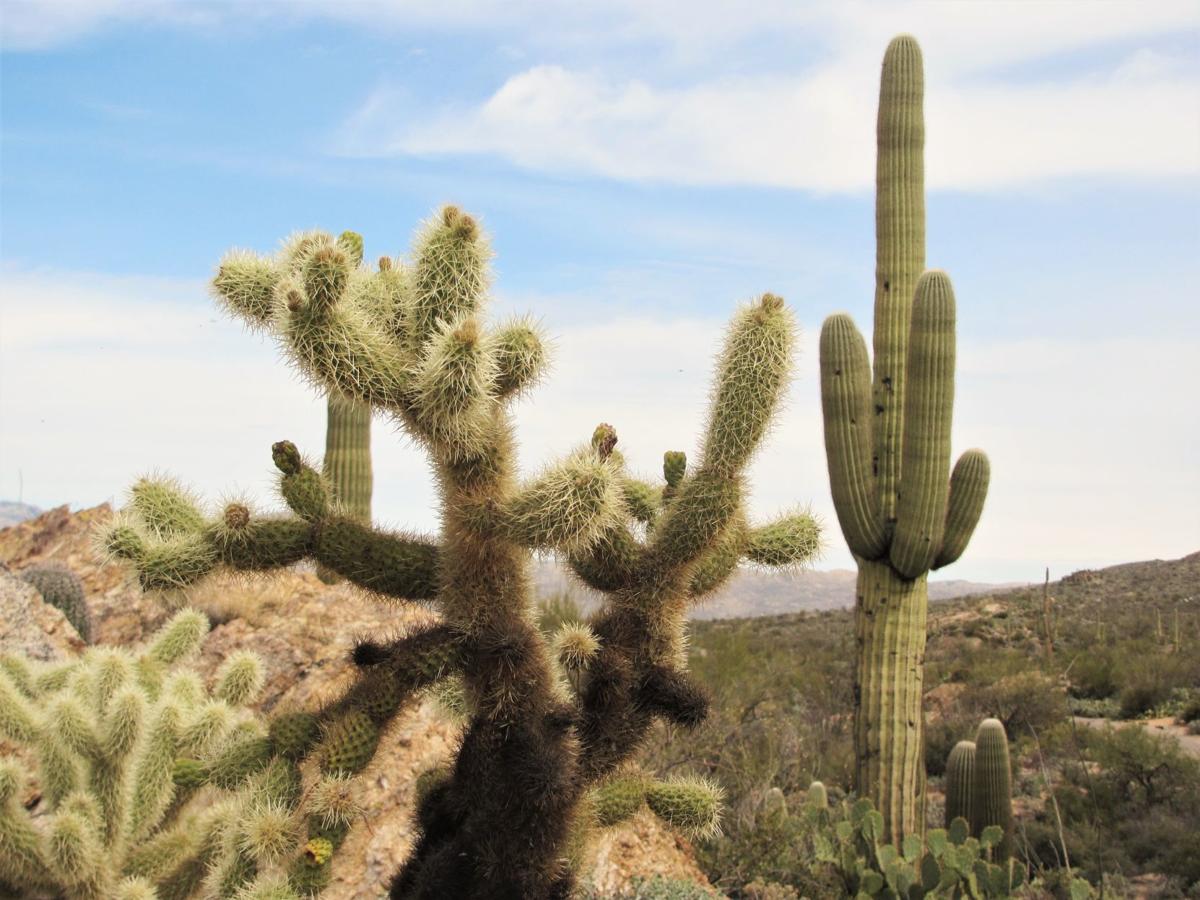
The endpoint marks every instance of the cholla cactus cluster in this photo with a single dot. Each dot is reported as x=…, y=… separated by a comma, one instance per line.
x=106, y=730
x=541, y=743
x=62, y=589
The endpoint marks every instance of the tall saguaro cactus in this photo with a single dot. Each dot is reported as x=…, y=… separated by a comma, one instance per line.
x=542, y=757
x=887, y=440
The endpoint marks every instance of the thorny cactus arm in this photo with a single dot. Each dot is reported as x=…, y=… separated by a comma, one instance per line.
x=176, y=554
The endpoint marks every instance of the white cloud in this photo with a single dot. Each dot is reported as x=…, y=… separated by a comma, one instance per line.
x=1093, y=460
x=814, y=131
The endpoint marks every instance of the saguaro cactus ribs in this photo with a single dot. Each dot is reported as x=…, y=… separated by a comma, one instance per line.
x=887, y=440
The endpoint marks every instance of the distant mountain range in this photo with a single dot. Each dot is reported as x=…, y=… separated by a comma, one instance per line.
x=751, y=593
x=12, y=513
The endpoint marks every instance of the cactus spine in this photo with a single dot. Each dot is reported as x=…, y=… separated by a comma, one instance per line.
x=887, y=439
x=992, y=800
x=412, y=342
x=62, y=589
x=960, y=782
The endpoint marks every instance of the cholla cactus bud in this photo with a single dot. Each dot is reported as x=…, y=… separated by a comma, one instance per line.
x=335, y=801
x=604, y=439
x=693, y=805
x=293, y=734
x=575, y=646
x=239, y=679
x=180, y=637
x=62, y=589
x=349, y=744
x=287, y=457
x=236, y=517
x=269, y=832
x=619, y=798
x=351, y=243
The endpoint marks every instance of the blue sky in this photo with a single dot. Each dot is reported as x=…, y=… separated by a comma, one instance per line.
x=641, y=167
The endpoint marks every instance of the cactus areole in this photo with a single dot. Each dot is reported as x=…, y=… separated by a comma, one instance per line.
x=887, y=440
x=550, y=726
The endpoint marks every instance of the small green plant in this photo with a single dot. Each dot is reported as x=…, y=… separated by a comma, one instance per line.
x=62, y=589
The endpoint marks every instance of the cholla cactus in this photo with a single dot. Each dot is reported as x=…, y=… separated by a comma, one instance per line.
x=62, y=589
x=106, y=729
x=411, y=342
x=887, y=439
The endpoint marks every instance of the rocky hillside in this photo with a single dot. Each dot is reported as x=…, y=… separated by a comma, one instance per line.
x=303, y=629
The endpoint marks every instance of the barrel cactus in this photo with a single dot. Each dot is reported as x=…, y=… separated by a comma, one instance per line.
x=887, y=439
x=62, y=589
x=550, y=724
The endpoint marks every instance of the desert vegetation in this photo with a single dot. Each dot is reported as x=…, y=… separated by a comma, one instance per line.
x=1035, y=743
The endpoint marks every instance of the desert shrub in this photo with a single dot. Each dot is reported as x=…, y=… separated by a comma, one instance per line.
x=1145, y=691
x=1129, y=805
x=1094, y=675
x=1024, y=701
x=557, y=611
x=1189, y=707
x=1108, y=708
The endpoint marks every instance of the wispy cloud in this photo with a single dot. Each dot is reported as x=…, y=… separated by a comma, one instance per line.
x=1091, y=458
x=813, y=131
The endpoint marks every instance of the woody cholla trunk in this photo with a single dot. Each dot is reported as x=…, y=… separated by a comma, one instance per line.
x=887, y=439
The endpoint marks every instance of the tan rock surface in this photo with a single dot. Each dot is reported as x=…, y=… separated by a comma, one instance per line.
x=32, y=627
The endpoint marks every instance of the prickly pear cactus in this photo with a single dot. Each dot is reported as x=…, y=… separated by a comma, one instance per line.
x=62, y=589
x=887, y=440
x=549, y=726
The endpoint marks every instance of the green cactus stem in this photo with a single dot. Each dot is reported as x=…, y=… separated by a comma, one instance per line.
x=992, y=802
x=887, y=440
x=960, y=782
